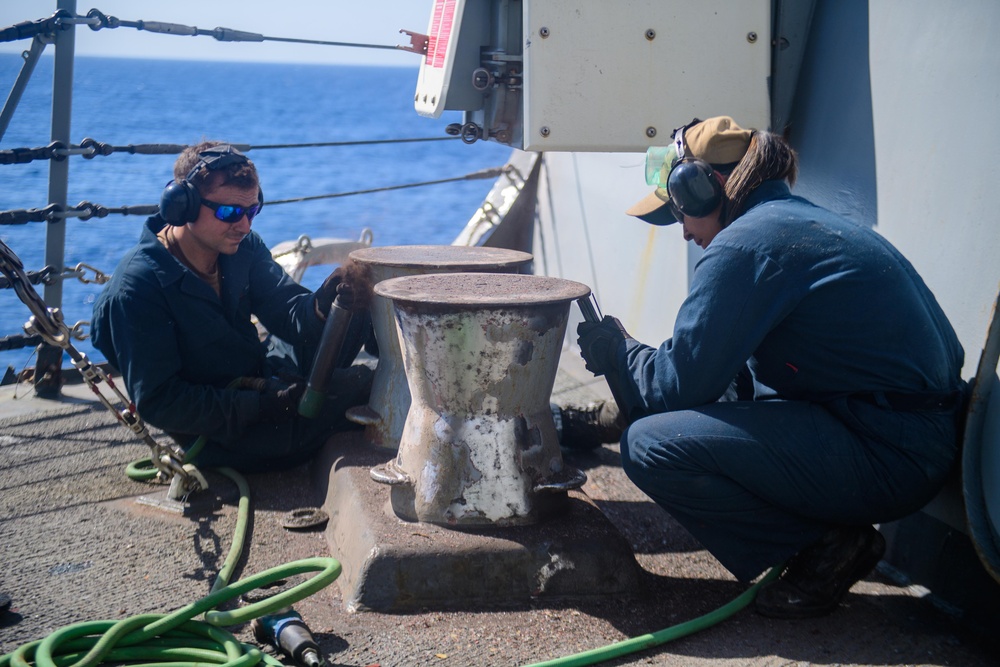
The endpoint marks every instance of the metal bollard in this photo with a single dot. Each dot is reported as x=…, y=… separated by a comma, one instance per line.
x=480, y=352
x=385, y=413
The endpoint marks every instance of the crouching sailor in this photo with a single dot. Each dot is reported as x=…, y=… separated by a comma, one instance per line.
x=811, y=386
x=175, y=320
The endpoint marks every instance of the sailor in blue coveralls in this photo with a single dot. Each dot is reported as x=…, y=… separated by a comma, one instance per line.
x=175, y=320
x=811, y=385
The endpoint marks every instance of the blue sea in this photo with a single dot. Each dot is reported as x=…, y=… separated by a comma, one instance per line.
x=121, y=102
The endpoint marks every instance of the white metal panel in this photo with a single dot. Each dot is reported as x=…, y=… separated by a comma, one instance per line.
x=596, y=78
x=435, y=76
x=935, y=77
x=637, y=271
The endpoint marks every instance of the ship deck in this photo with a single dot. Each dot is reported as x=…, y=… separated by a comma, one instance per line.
x=78, y=546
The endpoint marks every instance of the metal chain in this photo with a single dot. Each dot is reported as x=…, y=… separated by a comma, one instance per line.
x=48, y=276
x=48, y=325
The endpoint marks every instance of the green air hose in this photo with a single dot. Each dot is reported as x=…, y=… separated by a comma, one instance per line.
x=177, y=640
x=642, y=642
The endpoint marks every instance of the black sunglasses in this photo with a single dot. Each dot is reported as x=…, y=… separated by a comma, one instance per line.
x=231, y=213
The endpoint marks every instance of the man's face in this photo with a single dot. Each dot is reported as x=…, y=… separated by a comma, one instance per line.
x=214, y=234
x=702, y=230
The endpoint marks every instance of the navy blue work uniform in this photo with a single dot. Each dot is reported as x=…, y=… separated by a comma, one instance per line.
x=855, y=368
x=179, y=346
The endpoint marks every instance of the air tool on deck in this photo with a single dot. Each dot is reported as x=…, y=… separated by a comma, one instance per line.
x=286, y=631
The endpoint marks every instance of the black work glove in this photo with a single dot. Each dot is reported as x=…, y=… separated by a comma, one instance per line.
x=598, y=343
x=327, y=292
x=280, y=402
x=345, y=296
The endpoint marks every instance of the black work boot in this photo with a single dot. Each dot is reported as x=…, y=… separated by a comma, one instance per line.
x=817, y=578
x=591, y=426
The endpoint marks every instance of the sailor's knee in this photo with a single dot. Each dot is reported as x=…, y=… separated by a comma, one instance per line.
x=667, y=451
x=645, y=448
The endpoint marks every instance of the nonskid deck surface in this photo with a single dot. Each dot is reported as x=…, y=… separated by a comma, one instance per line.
x=77, y=546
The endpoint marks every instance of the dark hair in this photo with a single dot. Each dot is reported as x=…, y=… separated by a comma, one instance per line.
x=768, y=157
x=238, y=175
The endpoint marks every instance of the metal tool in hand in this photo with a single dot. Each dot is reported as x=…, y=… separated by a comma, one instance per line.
x=334, y=331
x=592, y=313
x=49, y=325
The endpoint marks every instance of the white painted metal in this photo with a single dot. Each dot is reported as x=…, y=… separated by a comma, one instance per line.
x=597, y=75
x=297, y=256
x=638, y=272
x=936, y=146
x=435, y=81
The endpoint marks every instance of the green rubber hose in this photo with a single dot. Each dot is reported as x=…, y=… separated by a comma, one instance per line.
x=177, y=639
x=102, y=642
x=172, y=638
x=643, y=642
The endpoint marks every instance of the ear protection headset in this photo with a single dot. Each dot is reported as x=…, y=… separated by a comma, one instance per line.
x=180, y=202
x=695, y=189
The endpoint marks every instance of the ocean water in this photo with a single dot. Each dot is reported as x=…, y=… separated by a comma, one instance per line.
x=123, y=102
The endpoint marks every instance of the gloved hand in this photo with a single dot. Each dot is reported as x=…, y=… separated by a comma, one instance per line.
x=598, y=342
x=345, y=296
x=327, y=292
x=280, y=402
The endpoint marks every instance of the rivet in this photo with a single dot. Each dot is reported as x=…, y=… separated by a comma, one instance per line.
x=650, y=131
x=650, y=34
x=544, y=131
x=543, y=32
x=751, y=37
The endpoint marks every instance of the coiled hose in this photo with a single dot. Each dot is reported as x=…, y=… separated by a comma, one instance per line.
x=178, y=640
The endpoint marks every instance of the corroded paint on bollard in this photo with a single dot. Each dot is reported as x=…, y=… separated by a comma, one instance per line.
x=480, y=351
x=385, y=413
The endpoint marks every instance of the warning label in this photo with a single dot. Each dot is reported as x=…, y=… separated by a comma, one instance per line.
x=442, y=21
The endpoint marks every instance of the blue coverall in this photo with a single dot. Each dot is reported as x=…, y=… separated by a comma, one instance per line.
x=179, y=346
x=833, y=323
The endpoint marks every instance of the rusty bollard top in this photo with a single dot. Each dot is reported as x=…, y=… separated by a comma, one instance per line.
x=481, y=289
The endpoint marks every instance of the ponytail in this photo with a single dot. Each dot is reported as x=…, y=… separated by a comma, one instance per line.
x=768, y=157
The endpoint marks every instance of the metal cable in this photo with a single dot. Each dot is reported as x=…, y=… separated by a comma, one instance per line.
x=98, y=20
x=90, y=148
x=485, y=173
x=86, y=210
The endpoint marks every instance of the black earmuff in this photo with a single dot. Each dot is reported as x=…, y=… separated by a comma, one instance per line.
x=694, y=188
x=180, y=202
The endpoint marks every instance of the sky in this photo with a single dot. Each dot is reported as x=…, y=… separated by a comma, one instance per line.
x=354, y=21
